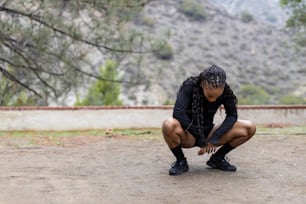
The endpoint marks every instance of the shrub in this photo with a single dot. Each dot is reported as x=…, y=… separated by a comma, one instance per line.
x=301, y=41
x=246, y=17
x=168, y=102
x=148, y=21
x=163, y=50
x=193, y=10
x=252, y=95
x=290, y=99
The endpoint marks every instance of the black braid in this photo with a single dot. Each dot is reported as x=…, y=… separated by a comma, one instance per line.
x=228, y=93
x=197, y=109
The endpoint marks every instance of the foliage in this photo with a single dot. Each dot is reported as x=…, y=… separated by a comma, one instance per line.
x=193, y=10
x=297, y=9
x=301, y=41
x=290, y=99
x=168, y=102
x=143, y=20
x=103, y=92
x=50, y=44
x=13, y=95
x=246, y=17
x=252, y=95
x=148, y=21
x=163, y=50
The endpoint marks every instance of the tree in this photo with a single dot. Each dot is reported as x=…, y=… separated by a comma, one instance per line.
x=13, y=95
x=48, y=47
x=104, y=92
x=297, y=8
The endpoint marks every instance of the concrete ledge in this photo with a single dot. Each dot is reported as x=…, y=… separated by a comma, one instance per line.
x=102, y=117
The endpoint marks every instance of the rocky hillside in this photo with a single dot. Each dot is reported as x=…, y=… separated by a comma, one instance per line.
x=266, y=11
x=252, y=53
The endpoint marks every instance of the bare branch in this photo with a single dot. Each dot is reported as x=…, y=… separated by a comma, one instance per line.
x=49, y=45
x=53, y=28
x=13, y=78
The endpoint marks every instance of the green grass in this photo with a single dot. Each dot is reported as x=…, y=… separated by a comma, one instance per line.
x=153, y=132
x=55, y=137
x=51, y=133
x=287, y=130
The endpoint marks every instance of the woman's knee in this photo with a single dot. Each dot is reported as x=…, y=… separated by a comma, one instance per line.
x=171, y=130
x=168, y=126
x=251, y=128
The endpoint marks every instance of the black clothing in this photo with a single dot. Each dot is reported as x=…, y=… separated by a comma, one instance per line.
x=179, y=167
x=182, y=112
x=220, y=163
x=226, y=148
x=178, y=153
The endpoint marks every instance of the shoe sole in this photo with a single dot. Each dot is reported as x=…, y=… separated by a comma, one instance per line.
x=176, y=174
x=214, y=166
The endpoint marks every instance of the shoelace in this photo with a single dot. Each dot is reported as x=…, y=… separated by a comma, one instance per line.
x=176, y=163
x=226, y=158
x=225, y=161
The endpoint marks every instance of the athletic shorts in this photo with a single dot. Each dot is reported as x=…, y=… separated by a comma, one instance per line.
x=207, y=130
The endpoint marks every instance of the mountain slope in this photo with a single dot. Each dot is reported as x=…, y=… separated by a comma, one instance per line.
x=268, y=11
x=251, y=53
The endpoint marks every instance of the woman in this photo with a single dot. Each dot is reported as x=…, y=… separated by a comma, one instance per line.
x=192, y=125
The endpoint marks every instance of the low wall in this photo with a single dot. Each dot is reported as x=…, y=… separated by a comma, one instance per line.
x=84, y=118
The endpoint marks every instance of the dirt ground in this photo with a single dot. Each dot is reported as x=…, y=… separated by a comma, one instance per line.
x=123, y=169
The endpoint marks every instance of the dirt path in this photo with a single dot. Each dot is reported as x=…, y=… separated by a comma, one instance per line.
x=271, y=169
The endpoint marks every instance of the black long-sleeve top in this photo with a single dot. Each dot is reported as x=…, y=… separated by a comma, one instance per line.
x=182, y=112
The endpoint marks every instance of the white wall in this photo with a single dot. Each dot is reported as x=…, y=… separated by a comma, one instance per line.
x=75, y=118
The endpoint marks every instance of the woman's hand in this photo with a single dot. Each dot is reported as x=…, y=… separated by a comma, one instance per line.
x=209, y=148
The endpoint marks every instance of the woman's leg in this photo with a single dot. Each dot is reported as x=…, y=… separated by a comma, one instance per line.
x=174, y=134
x=176, y=138
x=241, y=132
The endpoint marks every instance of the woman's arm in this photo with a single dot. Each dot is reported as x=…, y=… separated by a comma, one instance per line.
x=230, y=119
x=182, y=104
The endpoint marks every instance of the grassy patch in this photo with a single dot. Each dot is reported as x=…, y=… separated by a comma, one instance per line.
x=286, y=130
x=150, y=132
x=51, y=133
x=60, y=137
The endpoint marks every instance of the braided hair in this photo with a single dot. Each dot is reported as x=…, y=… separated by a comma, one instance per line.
x=216, y=78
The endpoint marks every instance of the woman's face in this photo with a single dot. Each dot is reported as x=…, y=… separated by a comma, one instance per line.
x=210, y=93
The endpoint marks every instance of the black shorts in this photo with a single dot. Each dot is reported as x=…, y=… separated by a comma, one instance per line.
x=207, y=130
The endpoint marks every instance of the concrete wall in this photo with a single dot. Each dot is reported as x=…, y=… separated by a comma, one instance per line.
x=84, y=118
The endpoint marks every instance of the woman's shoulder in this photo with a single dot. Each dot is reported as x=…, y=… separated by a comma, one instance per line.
x=228, y=93
x=189, y=83
x=187, y=88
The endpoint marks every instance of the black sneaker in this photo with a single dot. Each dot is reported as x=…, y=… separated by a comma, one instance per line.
x=178, y=167
x=220, y=163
